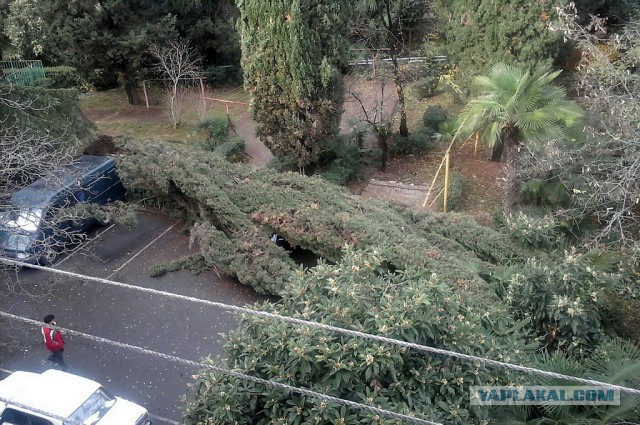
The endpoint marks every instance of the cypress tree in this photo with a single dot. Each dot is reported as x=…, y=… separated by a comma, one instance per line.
x=481, y=33
x=292, y=53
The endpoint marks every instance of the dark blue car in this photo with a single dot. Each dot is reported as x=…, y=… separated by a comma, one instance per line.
x=34, y=227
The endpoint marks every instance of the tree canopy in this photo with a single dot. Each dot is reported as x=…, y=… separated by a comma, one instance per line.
x=292, y=55
x=481, y=33
x=111, y=37
x=235, y=209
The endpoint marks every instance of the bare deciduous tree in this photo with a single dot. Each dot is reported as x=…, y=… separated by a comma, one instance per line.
x=37, y=135
x=603, y=176
x=176, y=61
x=26, y=153
x=379, y=118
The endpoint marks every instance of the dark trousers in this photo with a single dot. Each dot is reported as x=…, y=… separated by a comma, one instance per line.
x=56, y=358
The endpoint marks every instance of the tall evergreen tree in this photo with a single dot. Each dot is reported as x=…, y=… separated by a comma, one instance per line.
x=209, y=27
x=480, y=33
x=292, y=52
x=107, y=35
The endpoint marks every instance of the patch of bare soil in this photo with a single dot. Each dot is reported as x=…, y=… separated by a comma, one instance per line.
x=482, y=191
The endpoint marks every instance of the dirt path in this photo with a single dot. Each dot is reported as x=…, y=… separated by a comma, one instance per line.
x=482, y=193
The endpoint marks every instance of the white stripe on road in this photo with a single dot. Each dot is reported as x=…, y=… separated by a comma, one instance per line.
x=78, y=249
x=142, y=250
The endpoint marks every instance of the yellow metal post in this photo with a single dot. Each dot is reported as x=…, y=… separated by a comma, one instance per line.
x=446, y=181
x=146, y=97
x=475, y=146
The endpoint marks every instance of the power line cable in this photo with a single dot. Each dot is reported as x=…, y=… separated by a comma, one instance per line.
x=349, y=332
x=234, y=374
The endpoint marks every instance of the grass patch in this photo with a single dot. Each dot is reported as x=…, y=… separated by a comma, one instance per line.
x=112, y=114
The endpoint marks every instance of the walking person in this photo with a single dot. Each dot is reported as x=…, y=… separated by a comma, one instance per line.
x=53, y=340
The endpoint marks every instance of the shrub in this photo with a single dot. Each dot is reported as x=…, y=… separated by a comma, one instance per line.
x=456, y=191
x=434, y=116
x=567, y=301
x=64, y=77
x=233, y=150
x=342, y=161
x=359, y=293
x=418, y=141
x=533, y=232
x=424, y=88
x=216, y=132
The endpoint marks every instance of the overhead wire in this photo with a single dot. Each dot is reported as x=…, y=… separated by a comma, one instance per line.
x=348, y=332
x=232, y=373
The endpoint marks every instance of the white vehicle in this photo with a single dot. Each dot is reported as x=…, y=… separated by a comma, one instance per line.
x=59, y=398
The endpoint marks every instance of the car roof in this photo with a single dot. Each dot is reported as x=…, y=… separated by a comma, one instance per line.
x=56, y=392
x=40, y=192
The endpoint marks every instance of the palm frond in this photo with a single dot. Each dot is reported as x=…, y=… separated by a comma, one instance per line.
x=535, y=120
x=616, y=362
x=568, y=112
x=491, y=134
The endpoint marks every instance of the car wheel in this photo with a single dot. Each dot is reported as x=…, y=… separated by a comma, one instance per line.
x=48, y=257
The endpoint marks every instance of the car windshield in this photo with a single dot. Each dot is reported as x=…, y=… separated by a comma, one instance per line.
x=24, y=219
x=94, y=408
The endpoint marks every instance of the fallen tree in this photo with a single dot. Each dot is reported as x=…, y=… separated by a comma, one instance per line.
x=231, y=211
x=435, y=279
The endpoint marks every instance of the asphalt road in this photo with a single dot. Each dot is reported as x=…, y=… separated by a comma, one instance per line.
x=167, y=325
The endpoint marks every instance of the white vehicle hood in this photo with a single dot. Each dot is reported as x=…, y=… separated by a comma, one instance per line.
x=123, y=412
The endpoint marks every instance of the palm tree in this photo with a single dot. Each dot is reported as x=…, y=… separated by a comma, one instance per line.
x=516, y=107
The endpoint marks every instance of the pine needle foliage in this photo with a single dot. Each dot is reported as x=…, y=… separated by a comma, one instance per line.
x=232, y=211
x=292, y=53
x=480, y=33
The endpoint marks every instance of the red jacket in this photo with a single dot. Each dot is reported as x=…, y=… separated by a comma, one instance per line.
x=52, y=339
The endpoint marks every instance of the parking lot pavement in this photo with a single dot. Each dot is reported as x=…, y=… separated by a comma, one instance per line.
x=159, y=323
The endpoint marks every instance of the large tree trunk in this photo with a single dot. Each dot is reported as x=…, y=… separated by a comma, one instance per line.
x=404, y=130
x=512, y=174
x=496, y=151
x=393, y=37
x=131, y=88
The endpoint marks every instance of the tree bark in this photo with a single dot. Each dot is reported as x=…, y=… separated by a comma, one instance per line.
x=512, y=174
x=496, y=151
x=404, y=130
x=393, y=35
x=131, y=88
x=384, y=145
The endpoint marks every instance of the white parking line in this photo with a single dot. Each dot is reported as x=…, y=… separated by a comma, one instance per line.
x=87, y=243
x=142, y=250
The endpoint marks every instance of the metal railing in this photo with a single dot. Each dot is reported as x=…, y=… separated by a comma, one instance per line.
x=22, y=72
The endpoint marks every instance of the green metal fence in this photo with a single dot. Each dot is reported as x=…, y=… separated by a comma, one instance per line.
x=22, y=72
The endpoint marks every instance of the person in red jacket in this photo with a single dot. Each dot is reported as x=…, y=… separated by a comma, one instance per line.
x=53, y=340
